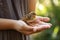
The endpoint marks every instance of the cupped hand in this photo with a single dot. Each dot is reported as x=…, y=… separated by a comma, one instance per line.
x=38, y=25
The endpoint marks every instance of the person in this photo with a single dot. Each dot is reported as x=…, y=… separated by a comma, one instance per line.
x=22, y=27
x=6, y=23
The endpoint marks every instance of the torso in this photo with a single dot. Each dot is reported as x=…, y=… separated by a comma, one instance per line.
x=12, y=9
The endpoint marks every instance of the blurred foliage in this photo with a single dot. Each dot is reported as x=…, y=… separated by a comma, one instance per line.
x=49, y=8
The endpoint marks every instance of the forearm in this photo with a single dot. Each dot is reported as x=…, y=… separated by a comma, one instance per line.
x=6, y=24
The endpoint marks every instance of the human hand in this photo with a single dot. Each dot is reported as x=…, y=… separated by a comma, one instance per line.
x=38, y=25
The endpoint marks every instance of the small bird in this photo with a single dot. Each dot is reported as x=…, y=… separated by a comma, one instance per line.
x=29, y=17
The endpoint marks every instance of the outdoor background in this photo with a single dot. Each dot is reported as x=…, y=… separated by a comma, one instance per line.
x=50, y=8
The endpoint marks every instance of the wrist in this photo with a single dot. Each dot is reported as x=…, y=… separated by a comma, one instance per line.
x=19, y=25
x=13, y=24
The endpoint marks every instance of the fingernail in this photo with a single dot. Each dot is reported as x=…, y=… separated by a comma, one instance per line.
x=49, y=26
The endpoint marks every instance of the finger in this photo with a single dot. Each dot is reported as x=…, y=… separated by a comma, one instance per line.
x=45, y=19
x=41, y=27
x=38, y=29
x=28, y=28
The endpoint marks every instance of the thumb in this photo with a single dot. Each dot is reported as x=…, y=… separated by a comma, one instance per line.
x=22, y=23
x=25, y=26
x=29, y=28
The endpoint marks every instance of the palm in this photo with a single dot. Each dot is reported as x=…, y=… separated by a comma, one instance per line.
x=36, y=26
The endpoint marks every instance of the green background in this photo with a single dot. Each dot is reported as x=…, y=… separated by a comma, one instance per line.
x=51, y=9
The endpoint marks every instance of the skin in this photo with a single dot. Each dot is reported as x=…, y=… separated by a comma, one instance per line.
x=6, y=24
x=20, y=26
x=31, y=5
